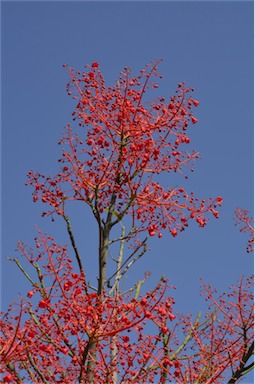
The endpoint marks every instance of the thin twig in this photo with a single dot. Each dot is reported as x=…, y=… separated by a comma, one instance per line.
x=130, y=256
x=71, y=236
x=23, y=271
x=119, y=262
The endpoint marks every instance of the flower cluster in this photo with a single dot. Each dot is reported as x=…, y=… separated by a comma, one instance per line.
x=137, y=338
x=125, y=143
x=56, y=332
x=247, y=225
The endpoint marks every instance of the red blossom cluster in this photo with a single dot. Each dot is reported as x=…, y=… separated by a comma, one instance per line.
x=247, y=225
x=125, y=143
x=227, y=336
x=56, y=331
x=139, y=339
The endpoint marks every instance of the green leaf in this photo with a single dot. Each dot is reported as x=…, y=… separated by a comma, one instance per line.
x=113, y=212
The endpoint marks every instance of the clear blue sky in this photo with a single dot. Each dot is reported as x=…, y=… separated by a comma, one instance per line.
x=209, y=45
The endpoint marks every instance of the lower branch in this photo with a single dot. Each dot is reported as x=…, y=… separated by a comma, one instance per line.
x=37, y=370
x=89, y=357
x=77, y=255
x=242, y=370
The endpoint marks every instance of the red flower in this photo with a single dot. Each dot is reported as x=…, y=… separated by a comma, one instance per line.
x=195, y=102
x=67, y=285
x=75, y=275
x=95, y=64
x=8, y=378
x=30, y=293
x=64, y=350
x=143, y=301
x=200, y=221
x=43, y=304
x=219, y=200
x=215, y=213
x=194, y=120
x=174, y=232
x=32, y=333
x=77, y=292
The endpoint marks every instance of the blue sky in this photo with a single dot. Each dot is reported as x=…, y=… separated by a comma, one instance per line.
x=209, y=45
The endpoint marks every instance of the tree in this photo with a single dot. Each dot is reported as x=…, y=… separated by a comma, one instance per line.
x=68, y=331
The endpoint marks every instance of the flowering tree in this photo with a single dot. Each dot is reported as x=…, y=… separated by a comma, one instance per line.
x=68, y=331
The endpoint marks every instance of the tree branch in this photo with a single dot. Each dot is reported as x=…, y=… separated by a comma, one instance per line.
x=71, y=236
x=242, y=370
